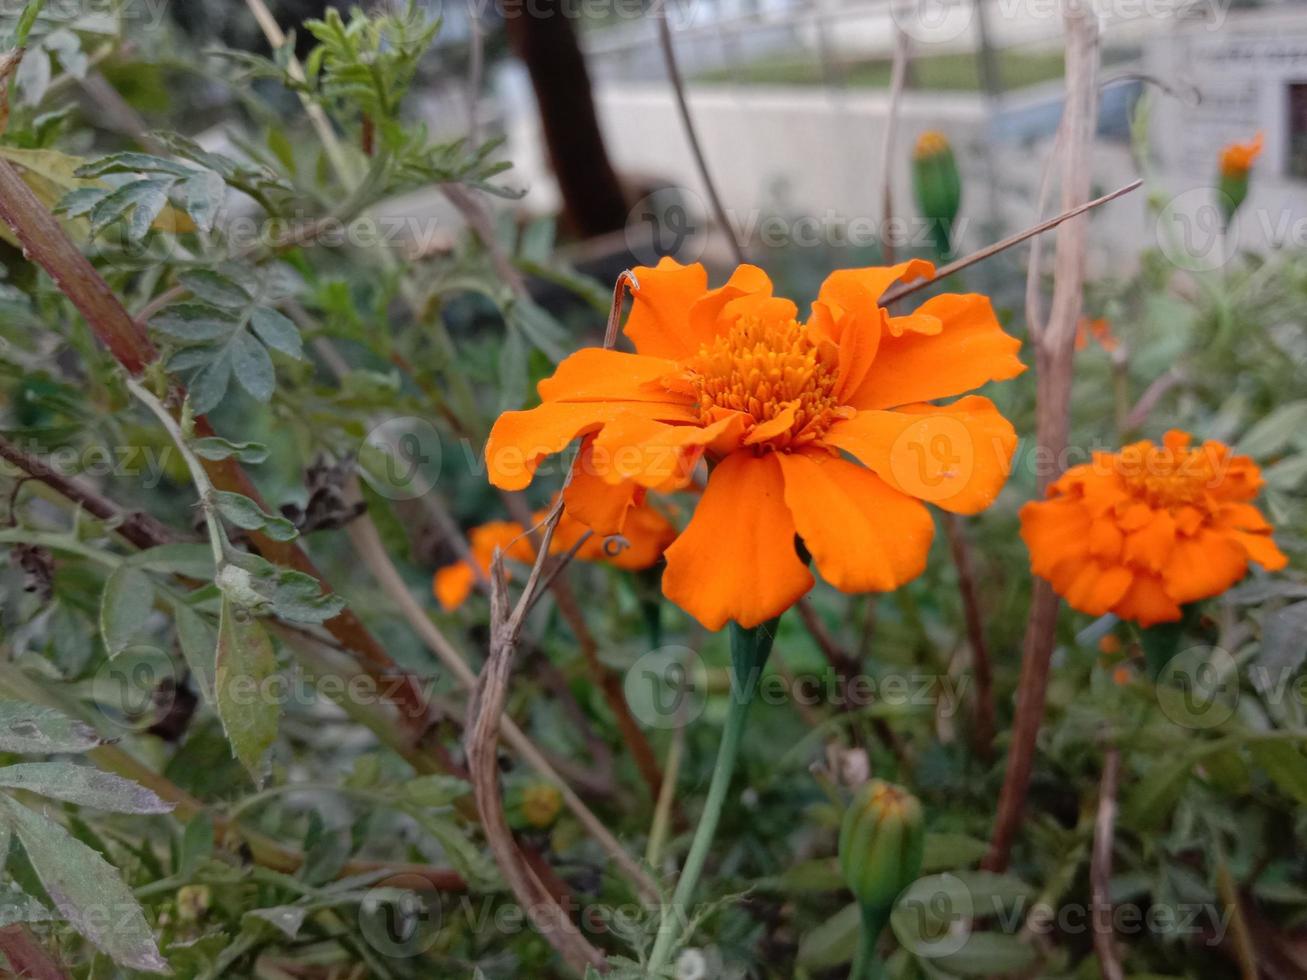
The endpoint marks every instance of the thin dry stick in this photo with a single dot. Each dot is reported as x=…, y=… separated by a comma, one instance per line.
x=367, y=544
x=1054, y=356
x=691, y=136
x=983, y=722
x=944, y=271
x=1100, y=868
x=485, y=717
x=898, y=75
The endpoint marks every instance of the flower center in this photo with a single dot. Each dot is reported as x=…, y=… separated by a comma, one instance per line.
x=1165, y=477
x=770, y=370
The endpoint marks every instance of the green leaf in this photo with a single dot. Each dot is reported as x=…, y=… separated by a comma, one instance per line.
x=197, y=844
x=277, y=331
x=987, y=954
x=195, y=322
x=87, y=891
x=1276, y=432
x=15, y=906
x=208, y=386
x=1285, y=764
x=143, y=199
x=83, y=785
x=246, y=660
x=80, y=202
x=212, y=287
x=949, y=852
x=125, y=604
x=299, y=598
x=435, y=790
x=1154, y=796
x=252, y=366
x=832, y=941
x=246, y=514
x=183, y=558
x=133, y=163
x=204, y=194
x=29, y=729
x=215, y=447
x=199, y=643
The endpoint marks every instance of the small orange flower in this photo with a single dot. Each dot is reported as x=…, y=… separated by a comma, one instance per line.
x=645, y=536
x=1237, y=158
x=773, y=402
x=1142, y=532
x=1099, y=330
x=929, y=143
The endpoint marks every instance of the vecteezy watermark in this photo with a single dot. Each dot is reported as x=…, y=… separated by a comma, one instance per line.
x=935, y=917
x=669, y=687
x=136, y=689
x=147, y=464
x=674, y=221
x=401, y=457
x=245, y=234
x=1191, y=231
x=1199, y=687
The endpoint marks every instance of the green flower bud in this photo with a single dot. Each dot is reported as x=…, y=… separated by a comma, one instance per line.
x=938, y=187
x=1236, y=161
x=881, y=843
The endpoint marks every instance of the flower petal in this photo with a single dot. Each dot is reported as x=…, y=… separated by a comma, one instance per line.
x=453, y=584
x=1202, y=566
x=736, y=559
x=862, y=534
x=594, y=374
x=651, y=453
x=594, y=501
x=970, y=350
x=1146, y=602
x=673, y=311
x=659, y=322
x=1055, y=531
x=955, y=456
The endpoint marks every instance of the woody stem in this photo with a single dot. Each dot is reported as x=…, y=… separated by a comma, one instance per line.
x=749, y=651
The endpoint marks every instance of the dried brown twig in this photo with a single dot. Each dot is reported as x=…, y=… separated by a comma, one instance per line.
x=485, y=713
x=1054, y=356
x=1100, y=868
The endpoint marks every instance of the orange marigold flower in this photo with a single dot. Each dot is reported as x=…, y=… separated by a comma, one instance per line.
x=732, y=374
x=645, y=536
x=1099, y=329
x=1142, y=532
x=1237, y=158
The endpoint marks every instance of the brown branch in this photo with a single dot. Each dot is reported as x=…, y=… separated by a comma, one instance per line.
x=691, y=136
x=982, y=721
x=46, y=243
x=482, y=743
x=1100, y=868
x=1054, y=357
x=26, y=956
x=944, y=271
x=140, y=529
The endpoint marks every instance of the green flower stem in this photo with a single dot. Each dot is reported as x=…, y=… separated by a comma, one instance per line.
x=867, y=965
x=749, y=651
x=1162, y=641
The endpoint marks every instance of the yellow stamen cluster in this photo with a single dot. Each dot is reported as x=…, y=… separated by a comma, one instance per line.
x=764, y=368
x=1167, y=477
